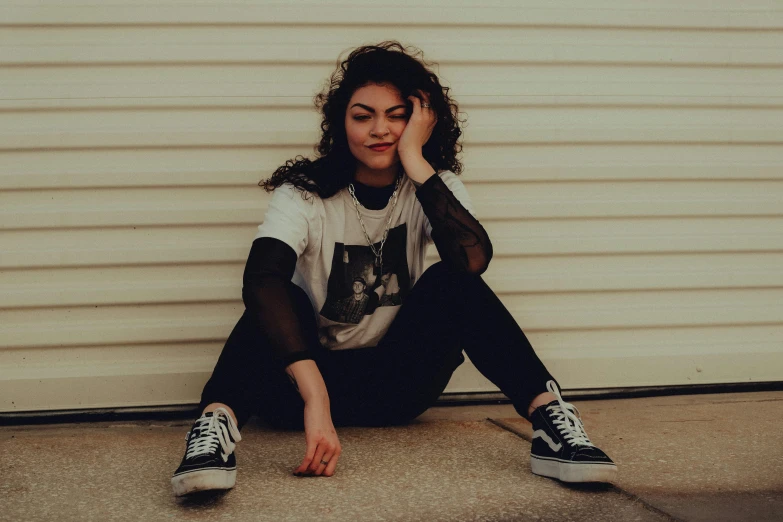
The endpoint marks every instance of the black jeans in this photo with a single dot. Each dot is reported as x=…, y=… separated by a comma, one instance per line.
x=396, y=381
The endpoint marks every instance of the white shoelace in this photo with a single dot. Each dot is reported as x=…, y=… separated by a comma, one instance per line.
x=210, y=432
x=567, y=419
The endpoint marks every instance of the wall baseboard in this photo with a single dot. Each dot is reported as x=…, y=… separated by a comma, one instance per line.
x=176, y=412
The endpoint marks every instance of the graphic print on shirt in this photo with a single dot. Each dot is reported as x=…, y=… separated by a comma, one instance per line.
x=357, y=287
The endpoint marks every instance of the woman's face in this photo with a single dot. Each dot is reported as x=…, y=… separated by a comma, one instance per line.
x=376, y=114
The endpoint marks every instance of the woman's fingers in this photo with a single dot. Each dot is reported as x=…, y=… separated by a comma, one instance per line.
x=416, y=104
x=308, y=459
x=425, y=97
x=428, y=113
x=328, y=457
x=329, y=470
x=427, y=117
x=319, y=455
x=312, y=465
x=433, y=114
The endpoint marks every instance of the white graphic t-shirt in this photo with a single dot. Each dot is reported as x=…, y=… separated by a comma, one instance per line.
x=354, y=299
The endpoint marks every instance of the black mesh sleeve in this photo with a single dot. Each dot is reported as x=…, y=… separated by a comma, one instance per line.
x=266, y=294
x=462, y=242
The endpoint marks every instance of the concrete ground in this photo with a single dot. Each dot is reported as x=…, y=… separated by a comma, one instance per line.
x=693, y=457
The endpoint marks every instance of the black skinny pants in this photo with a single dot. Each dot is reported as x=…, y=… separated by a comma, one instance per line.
x=399, y=379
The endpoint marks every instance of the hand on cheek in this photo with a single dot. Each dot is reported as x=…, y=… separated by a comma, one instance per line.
x=419, y=128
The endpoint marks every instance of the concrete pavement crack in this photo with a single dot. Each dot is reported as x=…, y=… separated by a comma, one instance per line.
x=614, y=488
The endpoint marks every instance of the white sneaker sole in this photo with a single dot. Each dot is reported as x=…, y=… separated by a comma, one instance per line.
x=571, y=472
x=203, y=480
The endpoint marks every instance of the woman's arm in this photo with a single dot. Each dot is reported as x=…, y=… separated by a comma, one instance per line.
x=266, y=294
x=462, y=242
x=309, y=382
x=321, y=439
x=269, y=268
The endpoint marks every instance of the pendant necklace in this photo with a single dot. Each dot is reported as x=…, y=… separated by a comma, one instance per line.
x=393, y=199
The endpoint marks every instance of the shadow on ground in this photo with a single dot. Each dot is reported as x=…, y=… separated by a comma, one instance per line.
x=711, y=457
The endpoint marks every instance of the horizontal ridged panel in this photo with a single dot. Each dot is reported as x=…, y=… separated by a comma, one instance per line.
x=279, y=44
x=106, y=208
x=233, y=127
x=760, y=14
x=105, y=286
x=111, y=285
x=757, y=14
x=90, y=376
x=552, y=312
x=180, y=206
x=154, y=245
x=243, y=167
x=626, y=160
x=270, y=87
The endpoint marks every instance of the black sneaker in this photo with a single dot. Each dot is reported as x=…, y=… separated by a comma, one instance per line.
x=209, y=461
x=561, y=448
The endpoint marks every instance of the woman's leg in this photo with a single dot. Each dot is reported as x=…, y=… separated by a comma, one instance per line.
x=249, y=379
x=445, y=313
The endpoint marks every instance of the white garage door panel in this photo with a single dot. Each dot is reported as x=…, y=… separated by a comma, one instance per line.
x=113, y=285
x=180, y=386
x=484, y=163
x=129, y=245
x=503, y=201
x=645, y=309
x=79, y=360
x=220, y=243
x=269, y=85
x=279, y=43
x=203, y=283
x=129, y=375
x=147, y=388
x=576, y=236
x=557, y=311
x=635, y=13
x=626, y=160
x=669, y=355
x=541, y=274
x=539, y=160
x=248, y=127
x=118, y=324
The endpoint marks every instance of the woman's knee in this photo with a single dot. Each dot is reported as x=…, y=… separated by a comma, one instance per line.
x=407, y=413
x=440, y=273
x=419, y=392
x=443, y=285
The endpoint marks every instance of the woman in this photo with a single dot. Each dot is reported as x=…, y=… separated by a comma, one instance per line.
x=343, y=326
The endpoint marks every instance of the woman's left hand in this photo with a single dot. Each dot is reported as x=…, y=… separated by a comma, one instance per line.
x=419, y=128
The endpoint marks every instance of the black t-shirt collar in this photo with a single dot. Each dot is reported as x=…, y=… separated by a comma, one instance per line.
x=373, y=198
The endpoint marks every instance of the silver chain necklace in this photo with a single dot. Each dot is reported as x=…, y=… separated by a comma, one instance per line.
x=378, y=253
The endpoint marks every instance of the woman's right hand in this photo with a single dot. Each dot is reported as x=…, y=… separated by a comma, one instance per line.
x=321, y=439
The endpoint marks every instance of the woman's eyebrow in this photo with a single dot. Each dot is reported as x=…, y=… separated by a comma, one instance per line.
x=368, y=108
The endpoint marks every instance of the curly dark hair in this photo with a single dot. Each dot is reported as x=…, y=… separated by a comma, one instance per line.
x=389, y=63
